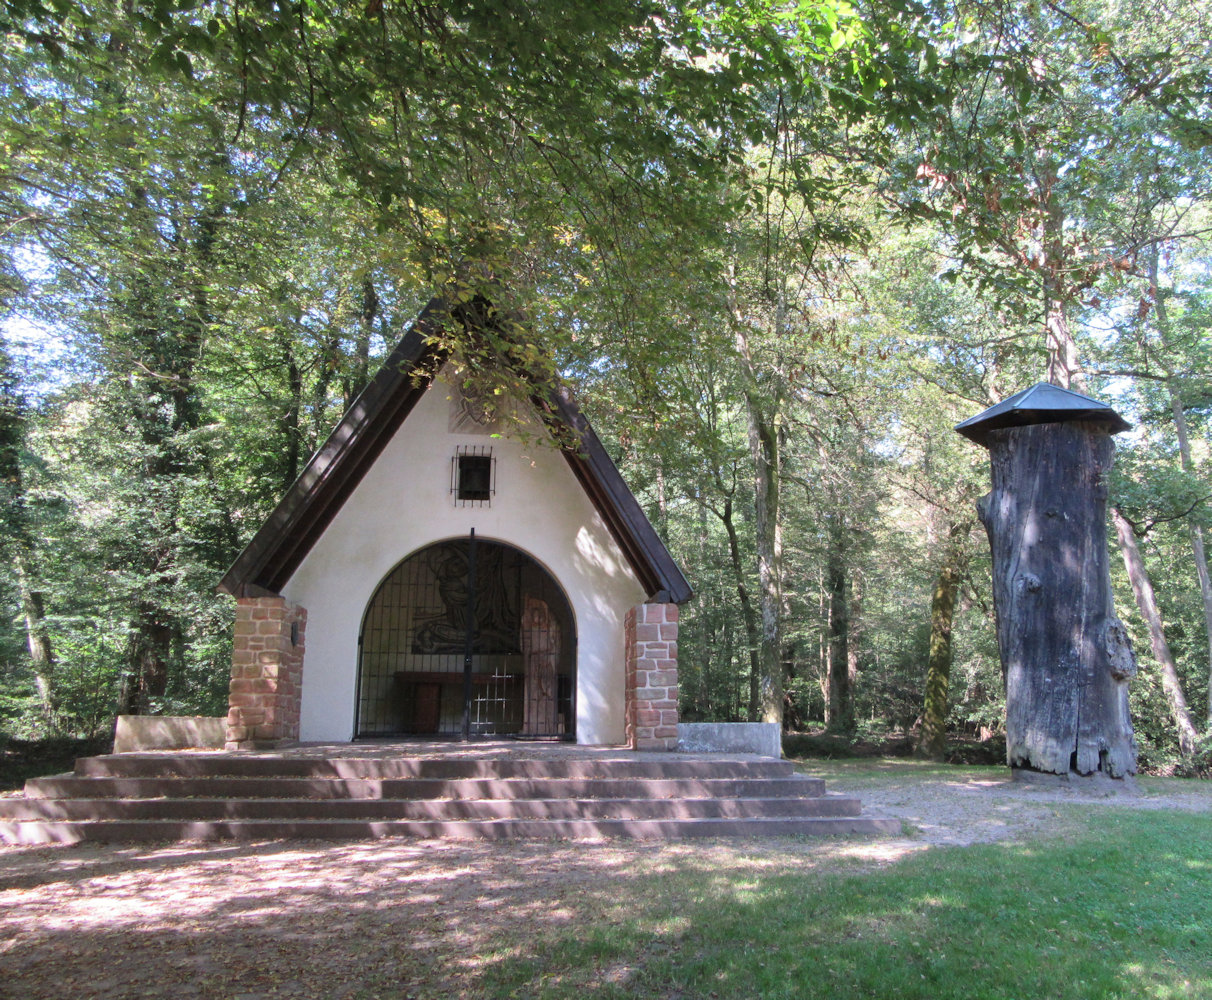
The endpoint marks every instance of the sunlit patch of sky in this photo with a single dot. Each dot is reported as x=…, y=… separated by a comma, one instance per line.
x=1119, y=392
x=40, y=353
x=39, y=350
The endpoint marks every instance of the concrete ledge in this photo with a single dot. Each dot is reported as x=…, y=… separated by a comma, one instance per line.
x=764, y=738
x=168, y=732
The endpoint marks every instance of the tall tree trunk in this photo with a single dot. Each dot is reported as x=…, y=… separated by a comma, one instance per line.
x=1142, y=590
x=1195, y=530
x=1064, y=368
x=662, y=520
x=822, y=641
x=329, y=364
x=165, y=347
x=933, y=741
x=292, y=430
x=764, y=449
x=358, y=373
x=854, y=636
x=20, y=536
x=763, y=428
x=37, y=635
x=752, y=638
x=839, y=711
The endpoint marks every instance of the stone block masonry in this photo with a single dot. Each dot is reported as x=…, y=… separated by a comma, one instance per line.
x=266, y=673
x=651, y=699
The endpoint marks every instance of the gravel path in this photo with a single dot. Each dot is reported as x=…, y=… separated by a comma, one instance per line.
x=975, y=808
x=307, y=919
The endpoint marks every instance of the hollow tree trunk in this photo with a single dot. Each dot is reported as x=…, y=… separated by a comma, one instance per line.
x=1066, y=658
x=1142, y=590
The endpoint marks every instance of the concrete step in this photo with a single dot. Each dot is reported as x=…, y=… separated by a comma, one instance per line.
x=36, y=832
x=245, y=766
x=75, y=810
x=70, y=786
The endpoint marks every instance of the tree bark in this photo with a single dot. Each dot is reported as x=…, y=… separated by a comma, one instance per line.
x=765, y=457
x=839, y=711
x=763, y=444
x=37, y=636
x=1199, y=554
x=358, y=373
x=292, y=431
x=932, y=743
x=21, y=537
x=1066, y=658
x=1064, y=366
x=752, y=638
x=855, y=623
x=1142, y=590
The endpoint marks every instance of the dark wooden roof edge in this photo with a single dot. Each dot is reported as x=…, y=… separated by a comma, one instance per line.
x=600, y=478
x=1042, y=403
x=334, y=471
x=337, y=466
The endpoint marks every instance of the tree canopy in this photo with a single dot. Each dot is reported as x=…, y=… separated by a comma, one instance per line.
x=780, y=247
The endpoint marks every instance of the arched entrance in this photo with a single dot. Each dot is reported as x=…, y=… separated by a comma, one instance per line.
x=467, y=637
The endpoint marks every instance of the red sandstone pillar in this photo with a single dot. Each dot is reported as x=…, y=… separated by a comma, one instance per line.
x=651, y=658
x=266, y=673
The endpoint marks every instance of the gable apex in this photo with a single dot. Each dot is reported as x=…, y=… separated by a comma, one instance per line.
x=351, y=450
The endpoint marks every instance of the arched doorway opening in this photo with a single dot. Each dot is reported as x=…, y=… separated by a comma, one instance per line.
x=467, y=638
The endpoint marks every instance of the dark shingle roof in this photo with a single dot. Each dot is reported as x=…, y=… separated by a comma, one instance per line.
x=1043, y=403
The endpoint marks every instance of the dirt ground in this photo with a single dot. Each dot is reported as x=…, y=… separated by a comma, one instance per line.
x=309, y=919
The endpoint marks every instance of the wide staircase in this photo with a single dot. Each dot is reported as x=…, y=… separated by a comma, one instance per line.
x=150, y=797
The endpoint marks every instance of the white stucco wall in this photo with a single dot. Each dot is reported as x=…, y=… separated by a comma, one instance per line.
x=403, y=504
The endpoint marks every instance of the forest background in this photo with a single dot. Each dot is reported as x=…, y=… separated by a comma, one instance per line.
x=779, y=249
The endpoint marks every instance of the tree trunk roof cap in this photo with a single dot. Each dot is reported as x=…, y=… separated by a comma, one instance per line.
x=1043, y=403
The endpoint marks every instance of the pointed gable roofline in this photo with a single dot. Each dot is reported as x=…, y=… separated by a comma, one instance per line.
x=336, y=469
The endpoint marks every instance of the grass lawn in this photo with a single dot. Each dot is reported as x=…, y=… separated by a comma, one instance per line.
x=1121, y=910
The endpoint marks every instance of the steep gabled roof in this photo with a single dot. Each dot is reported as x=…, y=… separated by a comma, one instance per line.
x=1043, y=403
x=335, y=470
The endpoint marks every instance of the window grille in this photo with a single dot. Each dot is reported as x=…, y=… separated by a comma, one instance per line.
x=473, y=476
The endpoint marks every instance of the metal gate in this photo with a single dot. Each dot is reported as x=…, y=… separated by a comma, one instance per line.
x=467, y=638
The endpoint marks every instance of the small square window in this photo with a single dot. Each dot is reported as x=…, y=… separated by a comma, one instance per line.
x=472, y=476
x=475, y=477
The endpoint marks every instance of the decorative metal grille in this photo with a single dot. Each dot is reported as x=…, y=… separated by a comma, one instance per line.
x=412, y=664
x=473, y=475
